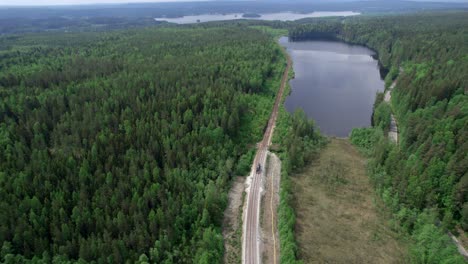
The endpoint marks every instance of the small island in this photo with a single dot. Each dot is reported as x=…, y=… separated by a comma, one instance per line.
x=251, y=15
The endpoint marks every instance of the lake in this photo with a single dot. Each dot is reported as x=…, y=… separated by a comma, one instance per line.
x=335, y=83
x=283, y=16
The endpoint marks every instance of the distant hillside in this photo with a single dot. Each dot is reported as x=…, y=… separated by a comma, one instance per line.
x=189, y=8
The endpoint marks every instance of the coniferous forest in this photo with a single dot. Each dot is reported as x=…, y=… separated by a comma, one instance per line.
x=119, y=146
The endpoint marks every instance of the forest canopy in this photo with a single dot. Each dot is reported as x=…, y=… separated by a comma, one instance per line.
x=119, y=146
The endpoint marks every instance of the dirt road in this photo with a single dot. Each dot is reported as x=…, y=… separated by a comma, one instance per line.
x=232, y=222
x=393, y=132
x=268, y=213
x=251, y=235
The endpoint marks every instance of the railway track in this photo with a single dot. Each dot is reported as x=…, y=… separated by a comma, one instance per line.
x=251, y=236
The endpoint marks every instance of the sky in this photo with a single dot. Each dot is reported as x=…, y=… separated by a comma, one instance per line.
x=79, y=2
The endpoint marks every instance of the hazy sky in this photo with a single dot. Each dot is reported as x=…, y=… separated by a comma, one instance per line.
x=78, y=2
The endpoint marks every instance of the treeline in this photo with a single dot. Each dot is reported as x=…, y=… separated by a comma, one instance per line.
x=425, y=176
x=118, y=146
x=306, y=29
x=17, y=25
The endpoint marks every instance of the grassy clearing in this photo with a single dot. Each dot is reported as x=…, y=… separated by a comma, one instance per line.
x=337, y=219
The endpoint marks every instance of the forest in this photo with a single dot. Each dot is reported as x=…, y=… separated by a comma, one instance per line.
x=119, y=146
x=423, y=179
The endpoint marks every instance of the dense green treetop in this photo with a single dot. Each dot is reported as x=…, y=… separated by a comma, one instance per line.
x=117, y=144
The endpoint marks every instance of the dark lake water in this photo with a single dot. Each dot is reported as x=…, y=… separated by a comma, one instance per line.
x=335, y=83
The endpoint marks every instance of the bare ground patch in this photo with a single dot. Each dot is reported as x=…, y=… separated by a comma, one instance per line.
x=232, y=222
x=269, y=219
x=462, y=237
x=337, y=218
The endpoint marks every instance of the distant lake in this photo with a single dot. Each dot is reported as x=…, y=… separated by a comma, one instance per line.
x=335, y=83
x=283, y=16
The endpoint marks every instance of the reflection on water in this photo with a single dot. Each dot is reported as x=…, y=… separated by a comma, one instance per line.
x=283, y=16
x=335, y=83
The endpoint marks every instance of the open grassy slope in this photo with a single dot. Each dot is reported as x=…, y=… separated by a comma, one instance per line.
x=337, y=215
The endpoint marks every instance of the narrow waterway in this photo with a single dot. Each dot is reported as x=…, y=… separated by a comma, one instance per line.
x=335, y=83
